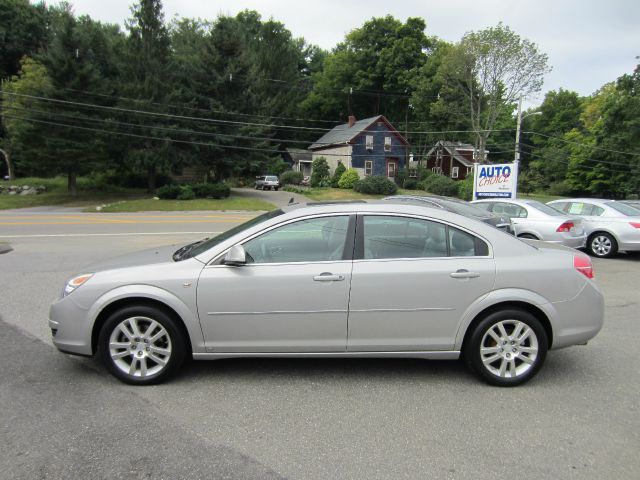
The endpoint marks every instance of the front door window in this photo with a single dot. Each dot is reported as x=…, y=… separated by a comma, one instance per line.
x=392, y=166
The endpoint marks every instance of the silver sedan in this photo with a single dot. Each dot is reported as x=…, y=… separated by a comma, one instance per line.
x=337, y=280
x=537, y=221
x=610, y=226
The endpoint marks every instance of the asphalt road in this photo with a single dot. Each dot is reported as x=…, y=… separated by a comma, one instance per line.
x=65, y=417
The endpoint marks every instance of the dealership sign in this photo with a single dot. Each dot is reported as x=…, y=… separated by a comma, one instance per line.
x=495, y=181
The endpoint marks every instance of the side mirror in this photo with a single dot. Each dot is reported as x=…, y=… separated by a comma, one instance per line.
x=236, y=256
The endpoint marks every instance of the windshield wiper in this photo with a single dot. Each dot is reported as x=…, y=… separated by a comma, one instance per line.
x=182, y=252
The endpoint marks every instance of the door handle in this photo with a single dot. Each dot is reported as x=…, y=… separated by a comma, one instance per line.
x=462, y=273
x=328, y=277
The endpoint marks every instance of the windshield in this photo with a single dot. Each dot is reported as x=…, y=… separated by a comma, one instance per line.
x=545, y=208
x=272, y=179
x=203, y=246
x=624, y=209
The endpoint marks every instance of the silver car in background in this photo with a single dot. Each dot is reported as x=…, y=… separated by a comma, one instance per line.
x=458, y=206
x=536, y=221
x=354, y=280
x=611, y=226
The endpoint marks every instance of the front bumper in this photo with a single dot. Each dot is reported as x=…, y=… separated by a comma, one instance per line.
x=70, y=327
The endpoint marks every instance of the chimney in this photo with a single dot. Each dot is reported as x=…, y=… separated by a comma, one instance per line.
x=352, y=120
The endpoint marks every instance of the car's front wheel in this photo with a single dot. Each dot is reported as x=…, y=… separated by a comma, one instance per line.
x=507, y=347
x=141, y=345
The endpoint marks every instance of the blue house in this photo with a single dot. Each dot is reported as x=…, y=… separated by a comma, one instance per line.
x=372, y=146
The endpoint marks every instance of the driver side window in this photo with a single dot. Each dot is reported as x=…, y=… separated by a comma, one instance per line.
x=311, y=240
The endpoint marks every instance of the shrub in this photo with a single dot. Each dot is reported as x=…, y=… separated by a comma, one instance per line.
x=169, y=192
x=401, y=176
x=340, y=169
x=320, y=173
x=211, y=190
x=411, y=184
x=186, y=193
x=465, y=188
x=559, y=188
x=441, y=185
x=376, y=185
x=348, y=178
x=291, y=178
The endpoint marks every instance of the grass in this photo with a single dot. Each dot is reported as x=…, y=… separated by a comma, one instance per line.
x=149, y=204
x=92, y=194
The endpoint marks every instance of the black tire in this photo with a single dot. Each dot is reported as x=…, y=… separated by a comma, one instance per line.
x=529, y=236
x=275, y=188
x=136, y=348
x=602, y=245
x=514, y=362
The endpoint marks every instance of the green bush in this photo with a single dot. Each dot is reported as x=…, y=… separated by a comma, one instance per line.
x=401, y=176
x=186, y=193
x=320, y=173
x=559, y=188
x=291, y=178
x=211, y=190
x=340, y=169
x=441, y=185
x=348, y=178
x=376, y=185
x=411, y=184
x=168, y=192
x=465, y=188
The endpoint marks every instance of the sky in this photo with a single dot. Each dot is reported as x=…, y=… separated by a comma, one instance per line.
x=589, y=42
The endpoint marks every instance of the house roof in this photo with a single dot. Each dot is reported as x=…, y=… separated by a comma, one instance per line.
x=452, y=148
x=299, y=153
x=343, y=134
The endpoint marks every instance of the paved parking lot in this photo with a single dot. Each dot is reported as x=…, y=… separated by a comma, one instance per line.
x=64, y=417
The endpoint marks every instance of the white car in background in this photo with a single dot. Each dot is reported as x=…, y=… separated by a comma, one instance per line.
x=536, y=221
x=610, y=226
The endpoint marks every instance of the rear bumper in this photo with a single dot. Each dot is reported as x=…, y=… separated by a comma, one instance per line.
x=579, y=319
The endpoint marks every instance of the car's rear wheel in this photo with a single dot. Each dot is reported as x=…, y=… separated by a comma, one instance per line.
x=507, y=348
x=141, y=345
x=602, y=245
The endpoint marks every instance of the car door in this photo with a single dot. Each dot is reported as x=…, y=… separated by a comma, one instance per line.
x=290, y=296
x=413, y=278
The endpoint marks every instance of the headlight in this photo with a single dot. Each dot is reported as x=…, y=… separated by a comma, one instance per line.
x=75, y=282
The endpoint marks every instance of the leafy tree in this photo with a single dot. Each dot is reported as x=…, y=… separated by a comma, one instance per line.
x=319, y=173
x=340, y=169
x=494, y=67
x=26, y=141
x=377, y=62
x=616, y=154
x=23, y=31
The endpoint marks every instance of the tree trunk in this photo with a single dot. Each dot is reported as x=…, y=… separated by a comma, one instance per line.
x=72, y=183
x=151, y=179
x=7, y=159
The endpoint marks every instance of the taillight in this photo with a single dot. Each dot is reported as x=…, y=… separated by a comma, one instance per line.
x=583, y=264
x=565, y=227
x=634, y=224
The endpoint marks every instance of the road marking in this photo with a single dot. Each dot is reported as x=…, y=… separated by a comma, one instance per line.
x=108, y=234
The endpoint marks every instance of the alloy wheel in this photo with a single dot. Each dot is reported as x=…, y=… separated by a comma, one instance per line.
x=140, y=347
x=509, y=349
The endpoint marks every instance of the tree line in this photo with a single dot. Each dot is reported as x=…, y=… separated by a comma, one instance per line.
x=226, y=97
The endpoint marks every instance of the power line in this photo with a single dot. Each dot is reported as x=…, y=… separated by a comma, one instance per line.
x=582, y=144
x=218, y=121
x=606, y=162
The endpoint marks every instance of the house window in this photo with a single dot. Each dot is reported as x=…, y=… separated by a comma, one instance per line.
x=368, y=167
x=387, y=144
x=369, y=142
x=454, y=172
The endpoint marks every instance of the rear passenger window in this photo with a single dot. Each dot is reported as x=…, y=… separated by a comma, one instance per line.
x=386, y=237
